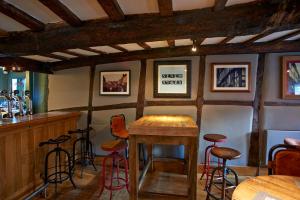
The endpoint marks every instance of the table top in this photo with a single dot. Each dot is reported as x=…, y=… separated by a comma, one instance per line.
x=274, y=187
x=164, y=125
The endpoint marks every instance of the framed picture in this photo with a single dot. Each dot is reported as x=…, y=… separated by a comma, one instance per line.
x=115, y=83
x=230, y=77
x=291, y=77
x=172, y=79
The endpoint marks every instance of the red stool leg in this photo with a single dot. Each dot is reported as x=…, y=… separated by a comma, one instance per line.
x=102, y=181
x=208, y=165
x=112, y=174
x=206, y=162
x=126, y=173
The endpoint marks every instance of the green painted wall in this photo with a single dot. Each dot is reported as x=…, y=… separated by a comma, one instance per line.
x=39, y=91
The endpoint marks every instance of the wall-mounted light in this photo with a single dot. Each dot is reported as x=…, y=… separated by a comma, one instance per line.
x=194, y=47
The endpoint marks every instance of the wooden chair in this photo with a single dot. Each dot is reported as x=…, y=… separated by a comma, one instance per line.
x=119, y=131
x=284, y=159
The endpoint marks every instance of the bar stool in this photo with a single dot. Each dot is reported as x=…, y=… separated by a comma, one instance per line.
x=292, y=141
x=119, y=131
x=85, y=156
x=215, y=138
x=225, y=154
x=114, y=147
x=62, y=169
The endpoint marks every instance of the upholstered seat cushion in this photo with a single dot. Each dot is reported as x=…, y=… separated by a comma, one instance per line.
x=287, y=162
x=118, y=127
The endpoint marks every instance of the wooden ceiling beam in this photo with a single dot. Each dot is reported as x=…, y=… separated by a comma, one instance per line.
x=72, y=53
x=20, y=16
x=144, y=45
x=226, y=40
x=171, y=43
x=165, y=7
x=219, y=5
x=93, y=50
x=295, y=33
x=112, y=9
x=202, y=23
x=62, y=11
x=118, y=48
x=25, y=64
x=286, y=46
x=3, y=33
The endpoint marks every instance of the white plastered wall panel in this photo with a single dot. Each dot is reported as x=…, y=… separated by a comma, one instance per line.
x=69, y=88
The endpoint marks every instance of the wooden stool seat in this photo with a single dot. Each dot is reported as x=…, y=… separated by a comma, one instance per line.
x=292, y=141
x=114, y=145
x=215, y=137
x=123, y=134
x=225, y=153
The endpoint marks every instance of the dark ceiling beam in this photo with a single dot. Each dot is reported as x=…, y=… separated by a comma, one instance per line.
x=286, y=36
x=3, y=33
x=165, y=7
x=257, y=37
x=62, y=11
x=226, y=40
x=241, y=19
x=112, y=9
x=219, y=5
x=171, y=43
x=144, y=45
x=93, y=50
x=72, y=53
x=119, y=48
x=25, y=64
x=179, y=51
x=20, y=16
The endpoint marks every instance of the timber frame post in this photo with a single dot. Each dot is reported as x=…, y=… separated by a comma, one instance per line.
x=141, y=92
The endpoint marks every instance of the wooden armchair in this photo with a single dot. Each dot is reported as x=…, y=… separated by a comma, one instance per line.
x=284, y=159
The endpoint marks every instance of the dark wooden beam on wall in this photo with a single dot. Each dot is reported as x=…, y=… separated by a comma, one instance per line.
x=200, y=93
x=91, y=90
x=115, y=106
x=21, y=16
x=171, y=103
x=228, y=102
x=165, y=7
x=202, y=23
x=63, y=12
x=286, y=46
x=258, y=104
x=281, y=103
x=112, y=9
x=141, y=93
x=219, y=5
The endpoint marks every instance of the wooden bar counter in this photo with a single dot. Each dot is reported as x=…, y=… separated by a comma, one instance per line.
x=21, y=158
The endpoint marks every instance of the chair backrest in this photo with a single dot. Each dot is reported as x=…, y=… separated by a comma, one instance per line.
x=284, y=160
x=117, y=124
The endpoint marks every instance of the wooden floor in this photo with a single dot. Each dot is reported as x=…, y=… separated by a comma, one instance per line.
x=88, y=188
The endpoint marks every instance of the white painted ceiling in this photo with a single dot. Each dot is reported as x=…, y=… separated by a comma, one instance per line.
x=275, y=35
x=296, y=37
x=239, y=39
x=183, y=42
x=131, y=47
x=41, y=58
x=8, y=24
x=233, y=2
x=64, y=54
x=213, y=40
x=83, y=52
x=138, y=6
x=85, y=9
x=106, y=49
x=36, y=10
x=158, y=44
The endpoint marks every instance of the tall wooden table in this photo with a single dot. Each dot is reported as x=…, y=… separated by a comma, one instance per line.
x=268, y=187
x=162, y=129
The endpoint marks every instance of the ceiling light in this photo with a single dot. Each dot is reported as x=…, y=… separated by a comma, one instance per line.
x=194, y=48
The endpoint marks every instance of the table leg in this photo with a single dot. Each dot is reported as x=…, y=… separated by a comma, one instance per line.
x=150, y=156
x=192, y=178
x=133, y=167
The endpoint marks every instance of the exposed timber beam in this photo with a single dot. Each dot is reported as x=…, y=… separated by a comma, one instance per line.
x=219, y=5
x=226, y=40
x=25, y=64
x=165, y=7
x=171, y=43
x=286, y=36
x=21, y=16
x=200, y=23
x=72, y=53
x=3, y=33
x=93, y=50
x=144, y=45
x=119, y=48
x=292, y=46
x=112, y=9
x=257, y=37
x=62, y=11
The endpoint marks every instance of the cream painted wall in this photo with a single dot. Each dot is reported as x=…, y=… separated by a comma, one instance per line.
x=69, y=88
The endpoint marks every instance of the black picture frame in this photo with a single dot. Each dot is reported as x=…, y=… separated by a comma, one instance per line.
x=160, y=64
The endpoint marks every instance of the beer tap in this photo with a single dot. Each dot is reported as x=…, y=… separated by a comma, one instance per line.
x=10, y=99
x=29, y=103
x=20, y=102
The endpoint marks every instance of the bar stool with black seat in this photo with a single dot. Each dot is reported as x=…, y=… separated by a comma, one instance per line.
x=214, y=138
x=115, y=148
x=225, y=154
x=84, y=154
x=118, y=130
x=62, y=169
